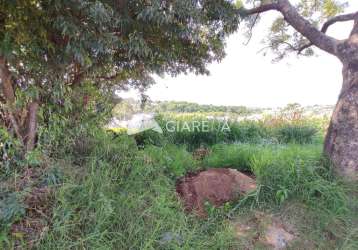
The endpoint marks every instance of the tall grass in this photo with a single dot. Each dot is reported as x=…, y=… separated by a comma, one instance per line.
x=118, y=191
x=125, y=199
x=135, y=208
x=284, y=172
x=298, y=185
x=182, y=130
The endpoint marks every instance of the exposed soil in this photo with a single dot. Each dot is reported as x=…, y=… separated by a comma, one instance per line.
x=215, y=185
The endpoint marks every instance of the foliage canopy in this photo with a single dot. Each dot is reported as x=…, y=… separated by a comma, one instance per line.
x=110, y=41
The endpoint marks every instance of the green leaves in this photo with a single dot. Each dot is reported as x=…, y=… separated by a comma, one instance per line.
x=283, y=39
x=47, y=42
x=333, y=7
x=53, y=45
x=137, y=46
x=156, y=14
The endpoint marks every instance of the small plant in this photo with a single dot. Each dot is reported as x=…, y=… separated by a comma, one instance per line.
x=282, y=195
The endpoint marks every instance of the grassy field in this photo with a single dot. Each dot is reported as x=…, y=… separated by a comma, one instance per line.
x=112, y=191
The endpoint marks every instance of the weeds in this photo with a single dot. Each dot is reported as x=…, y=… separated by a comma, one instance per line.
x=114, y=191
x=283, y=171
x=136, y=210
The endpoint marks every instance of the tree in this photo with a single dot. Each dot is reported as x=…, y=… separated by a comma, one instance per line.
x=48, y=46
x=297, y=30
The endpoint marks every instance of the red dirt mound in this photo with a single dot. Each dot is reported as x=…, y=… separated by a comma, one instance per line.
x=216, y=185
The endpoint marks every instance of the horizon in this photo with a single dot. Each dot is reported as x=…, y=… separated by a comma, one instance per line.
x=249, y=107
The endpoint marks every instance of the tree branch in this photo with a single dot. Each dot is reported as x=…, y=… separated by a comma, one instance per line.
x=304, y=27
x=109, y=78
x=251, y=28
x=9, y=96
x=260, y=9
x=5, y=76
x=340, y=18
x=328, y=23
x=15, y=125
x=299, y=23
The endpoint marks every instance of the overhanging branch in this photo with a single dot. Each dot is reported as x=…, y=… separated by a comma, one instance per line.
x=340, y=18
x=307, y=29
x=298, y=22
x=260, y=9
x=328, y=23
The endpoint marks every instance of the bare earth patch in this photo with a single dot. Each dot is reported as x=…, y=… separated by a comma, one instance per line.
x=215, y=185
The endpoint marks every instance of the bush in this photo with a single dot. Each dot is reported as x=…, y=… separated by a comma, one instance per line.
x=217, y=131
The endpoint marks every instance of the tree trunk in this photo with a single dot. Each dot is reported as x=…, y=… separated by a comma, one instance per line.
x=341, y=143
x=31, y=126
x=9, y=95
x=25, y=132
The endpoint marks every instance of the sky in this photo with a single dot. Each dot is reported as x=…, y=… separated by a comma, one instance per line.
x=247, y=77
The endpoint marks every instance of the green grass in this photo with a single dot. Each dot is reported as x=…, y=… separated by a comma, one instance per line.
x=112, y=194
x=298, y=185
x=182, y=130
x=194, y=130
x=245, y=156
x=283, y=171
x=137, y=210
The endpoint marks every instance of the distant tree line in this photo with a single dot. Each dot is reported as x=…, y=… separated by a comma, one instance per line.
x=189, y=107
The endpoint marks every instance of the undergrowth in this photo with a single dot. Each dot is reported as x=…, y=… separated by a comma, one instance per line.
x=109, y=208
x=194, y=130
x=110, y=193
